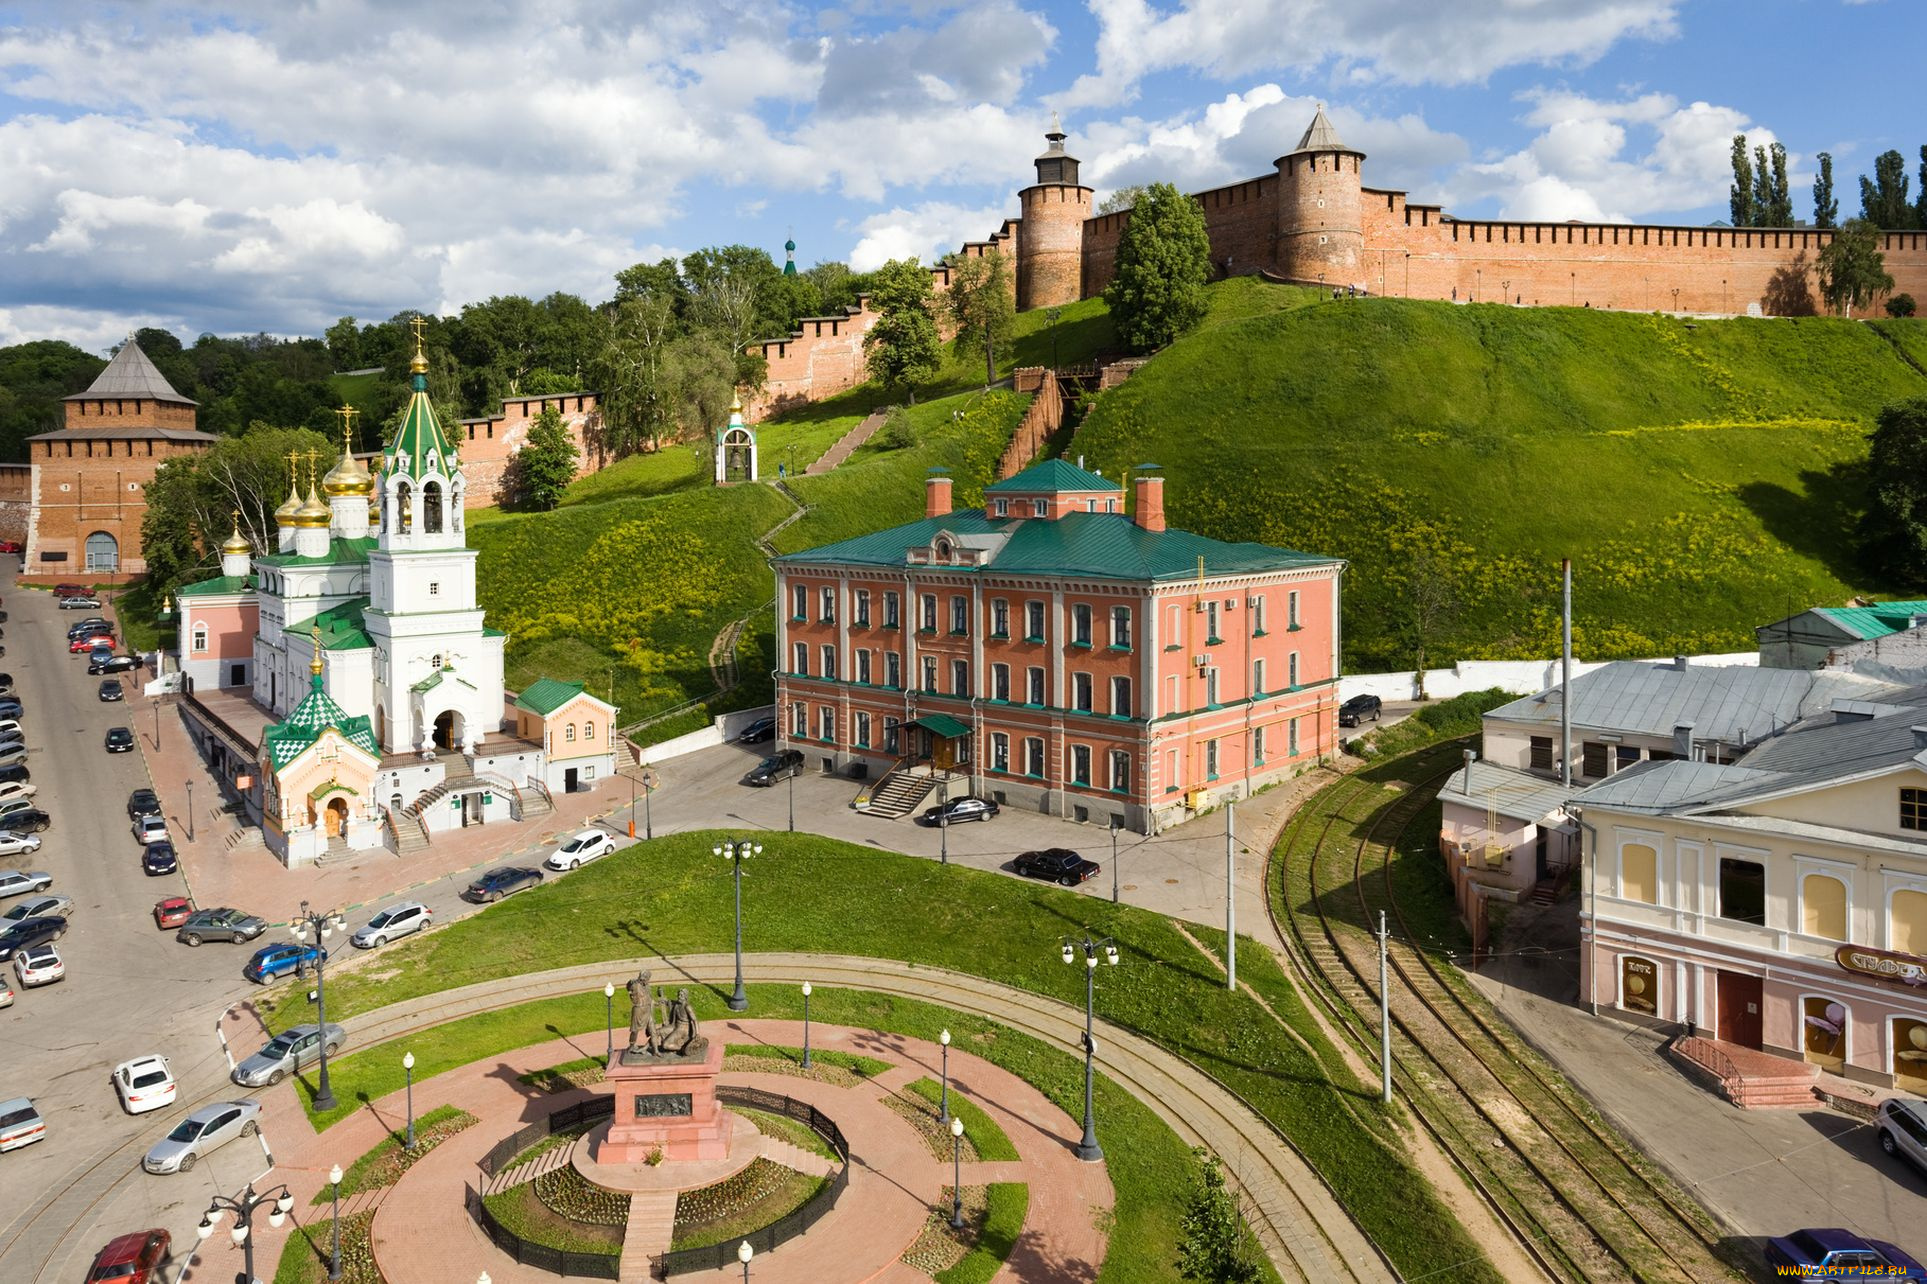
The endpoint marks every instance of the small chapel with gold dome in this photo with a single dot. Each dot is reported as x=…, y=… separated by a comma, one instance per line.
x=360, y=642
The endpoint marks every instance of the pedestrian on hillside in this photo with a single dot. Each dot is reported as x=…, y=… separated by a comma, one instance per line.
x=782, y=471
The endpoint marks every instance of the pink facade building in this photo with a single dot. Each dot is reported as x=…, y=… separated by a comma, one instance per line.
x=1053, y=651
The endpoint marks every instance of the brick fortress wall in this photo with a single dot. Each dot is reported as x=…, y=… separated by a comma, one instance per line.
x=488, y=443
x=16, y=501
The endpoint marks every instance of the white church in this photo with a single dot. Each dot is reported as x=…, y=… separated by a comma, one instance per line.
x=358, y=651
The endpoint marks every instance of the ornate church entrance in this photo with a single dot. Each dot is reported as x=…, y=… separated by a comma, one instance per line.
x=335, y=817
x=449, y=729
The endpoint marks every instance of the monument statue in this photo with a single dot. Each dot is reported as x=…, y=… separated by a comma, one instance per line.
x=644, y=1034
x=660, y=1029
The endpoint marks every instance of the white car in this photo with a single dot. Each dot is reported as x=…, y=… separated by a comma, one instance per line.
x=585, y=846
x=6, y=993
x=18, y=789
x=9, y=724
x=39, y=965
x=16, y=882
x=150, y=830
x=37, y=907
x=396, y=920
x=144, y=1084
x=12, y=844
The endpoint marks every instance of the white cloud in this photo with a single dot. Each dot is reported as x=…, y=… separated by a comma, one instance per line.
x=925, y=232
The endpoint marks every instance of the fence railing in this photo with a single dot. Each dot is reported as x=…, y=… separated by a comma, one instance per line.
x=595, y=1266
x=781, y=1231
x=587, y=1110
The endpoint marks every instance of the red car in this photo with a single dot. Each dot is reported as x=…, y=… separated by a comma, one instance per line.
x=91, y=641
x=72, y=590
x=131, y=1259
x=172, y=912
x=12, y=546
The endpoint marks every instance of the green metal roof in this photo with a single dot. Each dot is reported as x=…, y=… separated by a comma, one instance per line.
x=303, y=726
x=420, y=446
x=219, y=584
x=1050, y=477
x=942, y=724
x=1090, y=545
x=341, y=626
x=340, y=552
x=1876, y=621
x=546, y=695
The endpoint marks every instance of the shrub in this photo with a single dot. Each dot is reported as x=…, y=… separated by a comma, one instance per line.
x=1901, y=305
x=1459, y=716
x=899, y=432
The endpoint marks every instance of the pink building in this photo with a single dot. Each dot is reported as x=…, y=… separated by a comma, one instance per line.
x=1052, y=651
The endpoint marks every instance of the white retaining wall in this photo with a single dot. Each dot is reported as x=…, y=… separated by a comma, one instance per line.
x=1521, y=677
x=725, y=728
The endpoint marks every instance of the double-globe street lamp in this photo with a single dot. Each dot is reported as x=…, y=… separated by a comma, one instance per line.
x=243, y=1208
x=309, y=925
x=737, y=851
x=1088, y=1149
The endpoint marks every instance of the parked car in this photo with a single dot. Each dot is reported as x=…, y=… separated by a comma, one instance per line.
x=40, y=965
x=10, y=707
x=272, y=962
x=585, y=846
x=88, y=641
x=150, y=828
x=1833, y=1253
x=12, y=844
x=39, y=906
x=12, y=546
x=172, y=911
x=28, y=933
x=778, y=766
x=71, y=590
x=114, y=664
x=29, y=820
x=143, y=802
x=6, y=993
x=497, y=883
x=396, y=920
x=144, y=1084
x=88, y=627
x=11, y=724
x=18, y=882
x=79, y=603
x=1056, y=865
x=13, y=755
x=201, y=1132
x=11, y=805
x=757, y=732
x=20, y=1124
x=15, y=773
x=119, y=740
x=1903, y=1129
x=293, y=1049
x=1358, y=709
x=158, y=859
x=955, y=811
x=131, y=1259
x=221, y=924
x=111, y=691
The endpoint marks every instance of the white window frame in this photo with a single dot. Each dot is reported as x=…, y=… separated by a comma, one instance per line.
x=200, y=638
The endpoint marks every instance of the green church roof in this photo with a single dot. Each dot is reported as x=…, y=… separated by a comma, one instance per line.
x=1051, y=477
x=340, y=552
x=214, y=587
x=420, y=446
x=304, y=725
x=546, y=695
x=1876, y=621
x=341, y=626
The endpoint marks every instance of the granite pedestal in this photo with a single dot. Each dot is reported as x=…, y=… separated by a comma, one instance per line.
x=666, y=1105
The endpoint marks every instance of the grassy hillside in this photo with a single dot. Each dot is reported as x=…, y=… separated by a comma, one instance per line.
x=1702, y=475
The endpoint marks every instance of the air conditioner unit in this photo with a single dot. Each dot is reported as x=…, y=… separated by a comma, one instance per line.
x=1231, y=604
x=1201, y=660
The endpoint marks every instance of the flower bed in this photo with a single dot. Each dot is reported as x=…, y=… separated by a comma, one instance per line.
x=922, y=1115
x=304, y=1258
x=389, y=1159
x=838, y=1069
x=567, y=1193
x=522, y=1213
x=981, y=1133
x=581, y=1073
x=760, y=1194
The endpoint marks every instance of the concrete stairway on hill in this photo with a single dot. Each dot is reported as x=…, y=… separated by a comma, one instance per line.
x=651, y=1229
x=547, y=1161
x=409, y=833
x=1749, y=1078
x=846, y=444
x=899, y=794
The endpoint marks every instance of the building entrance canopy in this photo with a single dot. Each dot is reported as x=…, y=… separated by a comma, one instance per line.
x=942, y=724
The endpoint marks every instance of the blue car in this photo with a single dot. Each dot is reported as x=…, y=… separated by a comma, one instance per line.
x=1833, y=1253
x=497, y=883
x=159, y=858
x=272, y=962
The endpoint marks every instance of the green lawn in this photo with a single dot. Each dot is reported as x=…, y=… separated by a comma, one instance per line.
x=1009, y=1201
x=389, y=1158
x=980, y=1129
x=809, y=891
x=861, y=1066
x=1702, y=474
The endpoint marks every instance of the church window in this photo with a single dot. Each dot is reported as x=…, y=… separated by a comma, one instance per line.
x=568, y=734
x=588, y=731
x=432, y=506
x=435, y=661
x=200, y=637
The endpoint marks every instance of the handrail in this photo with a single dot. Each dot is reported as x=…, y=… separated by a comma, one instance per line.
x=1703, y=1053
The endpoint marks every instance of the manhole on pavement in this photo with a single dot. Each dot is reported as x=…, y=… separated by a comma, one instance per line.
x=1130, y=887
x=1172, y=882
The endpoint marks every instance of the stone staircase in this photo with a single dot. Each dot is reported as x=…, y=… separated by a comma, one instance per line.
x=547, y=1161
x=651, y=1229
x=532, y=802
x=410, y=834
x=898, y=794
x=1750, y=1079
x=846, y=444
x=790, y=1155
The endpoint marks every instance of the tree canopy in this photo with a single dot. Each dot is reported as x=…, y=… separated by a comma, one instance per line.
x=1851, y=269
x=982, y=305
x=902, y=349
x=193, y=499
x=1163, y=263
x=1883, y=198
x=541, y=471
x=1894, y=530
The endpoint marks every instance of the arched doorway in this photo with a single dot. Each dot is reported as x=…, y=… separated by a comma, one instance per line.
x=449, y=728
x=334, y=817
x=432, y=508
x=103, y=553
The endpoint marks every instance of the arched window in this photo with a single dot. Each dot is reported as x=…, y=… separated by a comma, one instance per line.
x=1907, y=933
x=1639, y=873
x=588, y=731
x=200, y=637
x=103, y=552
x=432, y=508
x=405, y=507
x=568, y=734
x=1823, y=907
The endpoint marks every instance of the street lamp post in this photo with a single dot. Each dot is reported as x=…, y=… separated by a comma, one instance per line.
x=1505, y=291
x=1113, y=860
x=1676, y=298
x=956, y=1174
x=334, y=1259
x=791, y=778
x=190, y=811
x=648, y=820
x=243, y=1209
x=806, y=1025
x=736, y=852
x=1088, y=1149
x=943, y=822
x=309, y=924
x=632, y=806
x=408, y=1069
x=743, y=1254
x=943, y=1103
x=609, y=1016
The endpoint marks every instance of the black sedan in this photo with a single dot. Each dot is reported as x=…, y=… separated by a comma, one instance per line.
x=158, y=859
x=143, y=802
x=28, y=820
x=758, y=731
x=957, y=810
x=1056, y=865
x=497, y=883
x=778, y=766
x=86, y=628
x=30, y=932
x=113, y=664
x=111, y=691
x=119, y=740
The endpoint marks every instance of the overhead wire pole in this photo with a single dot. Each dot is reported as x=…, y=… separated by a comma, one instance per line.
x=1565, y=671
x=1384, y=1013
x=1230, y=902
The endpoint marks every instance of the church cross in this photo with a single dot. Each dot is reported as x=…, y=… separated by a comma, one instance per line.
x=417, y=324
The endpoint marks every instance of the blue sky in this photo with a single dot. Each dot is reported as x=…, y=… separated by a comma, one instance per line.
x=218, y=165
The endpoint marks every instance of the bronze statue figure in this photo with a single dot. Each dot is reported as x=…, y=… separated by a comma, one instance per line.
x=644, y=1033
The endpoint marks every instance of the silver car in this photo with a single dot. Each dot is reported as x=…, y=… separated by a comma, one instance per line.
x=39, y=906
x=396, y=920
x=293, y=1049
x=14, y=882
x=202, y=1131
x=1903, y=1129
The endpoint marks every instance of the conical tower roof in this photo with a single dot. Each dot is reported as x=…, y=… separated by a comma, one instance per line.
x=1322, y=136
x=131, y=375
x=420, y=445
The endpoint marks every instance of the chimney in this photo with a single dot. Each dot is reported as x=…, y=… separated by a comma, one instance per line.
x=1920, y=737
x=936, y=494
x=1150, y=499
x=1679, y=662
x=1683, y=741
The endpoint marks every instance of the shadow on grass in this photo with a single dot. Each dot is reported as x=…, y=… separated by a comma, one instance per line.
x=1822, y=523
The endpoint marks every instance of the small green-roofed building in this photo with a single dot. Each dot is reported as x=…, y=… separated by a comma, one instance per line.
x=1858, y=631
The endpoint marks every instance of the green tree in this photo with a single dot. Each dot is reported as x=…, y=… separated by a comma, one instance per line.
x=1894, y=530
x=193, y=498
x=541, y=471
x=1211, y=1243
x=344, y=344
x=36, y=376
x=1163, y=261
x=1826, y=208
x=902, y=349
x=982, y=305
x=1772, y=202
x=1740, y=195
x=1122, y=199
x=1851, y=269
x=1883, y=201
x=1901, y=305
x=1920, y=202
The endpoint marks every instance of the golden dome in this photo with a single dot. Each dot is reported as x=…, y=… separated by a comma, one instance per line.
x=237, y=542
x=312, y=511
x=347, y=477
x=285, y=515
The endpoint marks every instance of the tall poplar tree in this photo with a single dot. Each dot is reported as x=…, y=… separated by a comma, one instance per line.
x=1741, y=197
x=1826, y=208
x=1883, y=200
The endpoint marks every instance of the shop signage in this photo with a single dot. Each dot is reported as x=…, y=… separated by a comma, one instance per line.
x=1882, y=965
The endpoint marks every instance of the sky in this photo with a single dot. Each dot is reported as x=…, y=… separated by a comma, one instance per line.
x=216, y=165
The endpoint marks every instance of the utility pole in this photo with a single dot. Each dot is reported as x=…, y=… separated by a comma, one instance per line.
x=1114, y=861
x=1384, y=1013
x=1230, y=902
x=1565, y=672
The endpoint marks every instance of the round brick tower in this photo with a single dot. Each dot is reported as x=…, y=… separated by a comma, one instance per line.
x=1321, y=233
x=1050, y=244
